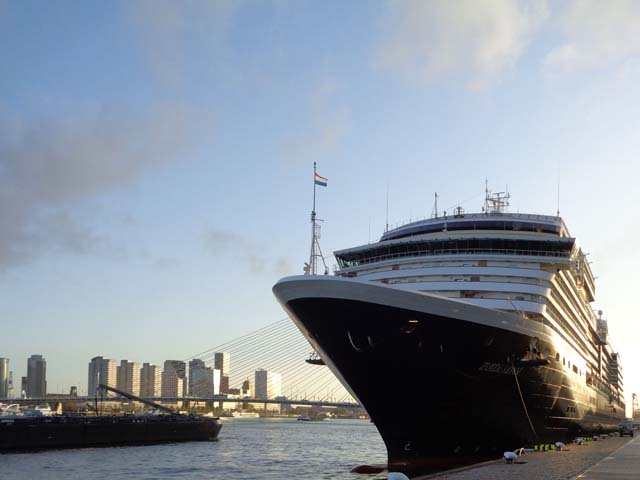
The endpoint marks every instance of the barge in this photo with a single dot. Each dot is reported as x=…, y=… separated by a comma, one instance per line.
x=28, y=433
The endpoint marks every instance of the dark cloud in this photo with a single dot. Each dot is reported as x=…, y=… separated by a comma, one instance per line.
x=49, y=167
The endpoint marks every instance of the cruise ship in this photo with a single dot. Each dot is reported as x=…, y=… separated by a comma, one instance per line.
x=465, y=335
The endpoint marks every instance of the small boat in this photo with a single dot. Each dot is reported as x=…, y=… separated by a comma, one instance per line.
x=244, y=414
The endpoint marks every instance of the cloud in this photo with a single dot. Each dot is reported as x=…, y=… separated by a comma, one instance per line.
x=597, y=33
x=283, y=267
x=221, y=243
x=49, y=167
x=165, y=26
x=473, y=39
x=165, y=262
x=329, y=122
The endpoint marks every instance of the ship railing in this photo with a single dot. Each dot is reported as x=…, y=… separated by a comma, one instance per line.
x=524, y=216
x=449, y=251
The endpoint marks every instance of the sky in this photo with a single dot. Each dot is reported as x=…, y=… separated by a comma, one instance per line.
x=156, y=157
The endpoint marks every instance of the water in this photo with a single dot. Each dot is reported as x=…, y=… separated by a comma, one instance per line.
x=246, y=449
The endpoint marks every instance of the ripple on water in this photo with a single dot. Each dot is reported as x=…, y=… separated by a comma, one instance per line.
x=247, y=449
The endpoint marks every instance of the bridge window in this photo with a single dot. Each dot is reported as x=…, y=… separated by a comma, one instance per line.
x=506, y=246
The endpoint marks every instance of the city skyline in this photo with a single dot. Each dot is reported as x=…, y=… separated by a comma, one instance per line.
x=156, y=166
x=193, y=378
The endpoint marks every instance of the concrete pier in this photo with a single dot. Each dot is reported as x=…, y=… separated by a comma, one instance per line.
x=623, y=464
x=609, y=459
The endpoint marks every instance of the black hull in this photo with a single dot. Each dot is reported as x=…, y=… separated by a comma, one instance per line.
x=40, y=433
x=442, y=391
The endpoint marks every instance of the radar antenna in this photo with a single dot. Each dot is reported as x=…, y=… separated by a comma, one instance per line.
x=434, y=211
x=497, y=202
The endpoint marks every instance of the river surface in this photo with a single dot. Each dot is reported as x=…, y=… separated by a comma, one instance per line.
x=246, y=449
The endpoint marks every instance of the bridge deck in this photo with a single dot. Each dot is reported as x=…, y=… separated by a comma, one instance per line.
x=217, y=399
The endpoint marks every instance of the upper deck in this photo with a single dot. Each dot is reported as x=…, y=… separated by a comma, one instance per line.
x=494, y=233
x=517, y=222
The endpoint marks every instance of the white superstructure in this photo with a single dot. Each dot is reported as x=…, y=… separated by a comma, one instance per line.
x=525, y=264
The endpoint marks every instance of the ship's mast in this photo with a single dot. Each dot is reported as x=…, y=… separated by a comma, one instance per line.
x=495, y=202
x=312, y=256
x=311, y=267
x=434, y=211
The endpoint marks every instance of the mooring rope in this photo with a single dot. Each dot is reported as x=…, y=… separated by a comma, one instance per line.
x=524, y=405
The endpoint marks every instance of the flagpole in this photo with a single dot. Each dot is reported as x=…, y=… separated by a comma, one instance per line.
x=312, y=257
x=314, y=188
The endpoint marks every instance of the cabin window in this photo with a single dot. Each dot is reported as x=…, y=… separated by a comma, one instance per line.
x=557, y=357
x=575, y=369
x=563, y=362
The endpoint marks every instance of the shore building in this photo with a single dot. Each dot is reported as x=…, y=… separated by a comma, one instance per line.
x=101, y=371
x=180, y=368
x=128, y=375
x=268, y=384
x=4, y=378
x=222, y=362
x=203, y=381
x=150, y=380
x=173, y=379
x=36, y=376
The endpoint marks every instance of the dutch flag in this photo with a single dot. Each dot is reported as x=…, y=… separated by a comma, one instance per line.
x=320, y=180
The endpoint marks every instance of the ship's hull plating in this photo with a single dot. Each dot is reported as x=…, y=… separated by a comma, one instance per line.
x=38, y=433
x=442, y=390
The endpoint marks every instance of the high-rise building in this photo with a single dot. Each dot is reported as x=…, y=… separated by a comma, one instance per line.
x=4, y=378
x=23, y=387
x=224, y=384
x=150, y=380
x=128, y=377
x=174, y=378
x=73, y=391
x=267, y=384
x=101, y=371
x=245, y=390
x=11, y=392
x=222, y=361
x=203, y=381
x=36, y=376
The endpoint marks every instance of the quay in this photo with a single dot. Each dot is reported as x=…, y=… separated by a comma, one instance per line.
x=623, y=464
x=615, y=458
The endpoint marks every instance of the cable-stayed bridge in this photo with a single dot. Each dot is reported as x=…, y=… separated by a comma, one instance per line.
x=278, y=348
